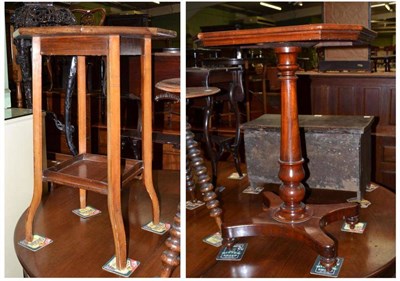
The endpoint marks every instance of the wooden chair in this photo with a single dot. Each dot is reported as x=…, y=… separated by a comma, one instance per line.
x=229, y=80
x=134, y=136
x=90, y=17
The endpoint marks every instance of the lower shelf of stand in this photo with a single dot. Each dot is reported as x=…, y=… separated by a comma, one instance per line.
x=89, y=171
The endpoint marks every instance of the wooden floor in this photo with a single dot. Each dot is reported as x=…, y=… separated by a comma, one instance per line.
x=365, y=254
x=81, y=247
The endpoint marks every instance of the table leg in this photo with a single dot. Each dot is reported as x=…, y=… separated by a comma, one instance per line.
x=171, y=258
x=82, y=129
x=190, y=184
x=207, y=189
x=291, y=170
x=147, y=152
x=386, y=62
x=38, y=139
x=236, y=142
x=114, y=150
x=247, y=92
x=49, y=71
x=69, y=129
x=206, y=128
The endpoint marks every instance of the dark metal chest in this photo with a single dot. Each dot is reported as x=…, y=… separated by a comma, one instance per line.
x=336, y=150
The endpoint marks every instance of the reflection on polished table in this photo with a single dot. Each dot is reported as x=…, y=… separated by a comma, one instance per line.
x=81, y=247
x=371, y=254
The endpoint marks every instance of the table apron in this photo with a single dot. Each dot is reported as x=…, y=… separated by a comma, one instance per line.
x=88, y=46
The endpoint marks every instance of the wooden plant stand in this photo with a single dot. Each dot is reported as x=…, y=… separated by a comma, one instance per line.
x=103, y=174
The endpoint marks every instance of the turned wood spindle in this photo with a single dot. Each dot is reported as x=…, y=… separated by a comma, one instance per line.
x=190, y=183
x=291, y=170
x=170, y=258
x=207, y=189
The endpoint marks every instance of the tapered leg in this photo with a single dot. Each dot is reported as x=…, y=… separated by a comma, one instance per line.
x=114, y=151
x=206, y=128
x=82, y=117
x=37, y=141
x=235, y=146
x=147, y=137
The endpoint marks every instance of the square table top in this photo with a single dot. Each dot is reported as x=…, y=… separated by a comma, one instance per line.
x=304, y=35
x=85, y=30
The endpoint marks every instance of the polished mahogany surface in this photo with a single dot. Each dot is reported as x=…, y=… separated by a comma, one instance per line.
x=81, y=247
x=369, y=254
x=170, y=85
x=197, y=92
x=312, y=33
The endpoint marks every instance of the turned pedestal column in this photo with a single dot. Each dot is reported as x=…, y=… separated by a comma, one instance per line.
x=291, y=170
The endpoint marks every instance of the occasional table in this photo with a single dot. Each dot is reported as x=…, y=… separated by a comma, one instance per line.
x=101, y=174
x=287, y=215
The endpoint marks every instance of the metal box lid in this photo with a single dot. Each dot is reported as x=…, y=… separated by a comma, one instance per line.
x=316, y=123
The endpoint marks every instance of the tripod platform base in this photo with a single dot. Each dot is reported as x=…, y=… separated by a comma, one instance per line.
x=309, y=232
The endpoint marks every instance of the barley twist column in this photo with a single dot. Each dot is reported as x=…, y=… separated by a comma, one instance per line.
x=200, y=170
x=171, y=258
